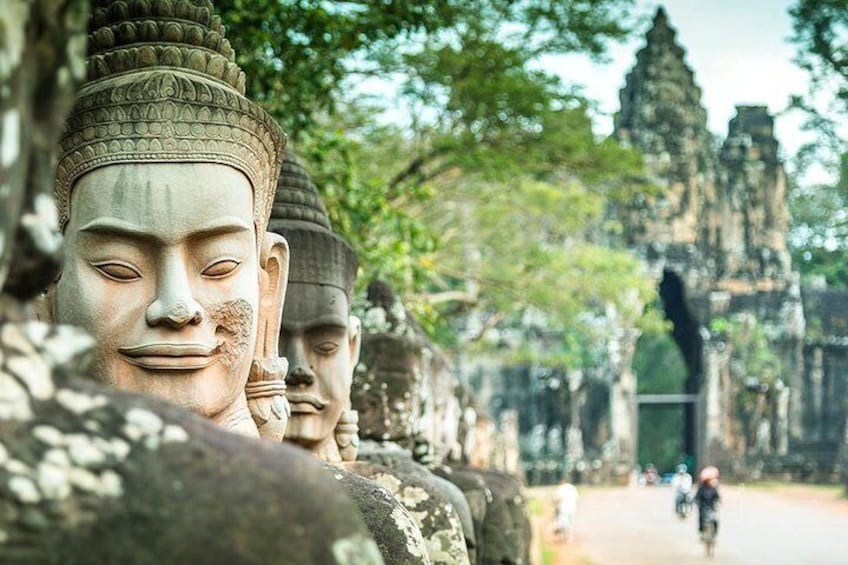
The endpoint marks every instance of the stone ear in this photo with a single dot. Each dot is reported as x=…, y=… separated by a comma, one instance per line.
x=274, y=263
x=42, y=305
x=354, y=328
x=266, y=386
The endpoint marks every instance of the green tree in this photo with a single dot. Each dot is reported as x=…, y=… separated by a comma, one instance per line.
x=302, y=56
x=819, y=238
x=489, y=192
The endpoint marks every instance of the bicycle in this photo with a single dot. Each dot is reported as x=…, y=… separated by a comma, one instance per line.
x=559, y=529
x=708, y=536
x=682, y=505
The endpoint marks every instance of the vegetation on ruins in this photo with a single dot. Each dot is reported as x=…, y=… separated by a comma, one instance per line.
x=755, y=370
x=474, y=181
x=820, y=223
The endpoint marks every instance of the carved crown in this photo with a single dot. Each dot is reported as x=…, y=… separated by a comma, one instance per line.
x=164, y=87
x=318, y=256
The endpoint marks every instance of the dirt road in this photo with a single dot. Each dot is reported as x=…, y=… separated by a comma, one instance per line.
x=774, y=525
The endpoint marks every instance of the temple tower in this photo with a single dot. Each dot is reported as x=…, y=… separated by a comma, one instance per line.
x=662, y=116
x=753, y=209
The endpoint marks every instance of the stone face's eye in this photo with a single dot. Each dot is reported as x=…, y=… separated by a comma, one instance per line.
x=326, y=348
x=120, y=272
x=220, y=269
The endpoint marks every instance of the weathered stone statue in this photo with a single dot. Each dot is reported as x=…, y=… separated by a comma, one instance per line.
x=90, y=474
x=387, y=394
x=441, y=439
x=164, y=185
x=505, y=528
x=495, y=499
x=321, y=340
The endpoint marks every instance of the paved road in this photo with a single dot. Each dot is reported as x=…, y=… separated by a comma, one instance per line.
x=793, y=526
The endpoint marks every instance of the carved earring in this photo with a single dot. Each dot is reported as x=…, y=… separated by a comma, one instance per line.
x=266, y=397
x=347, y=434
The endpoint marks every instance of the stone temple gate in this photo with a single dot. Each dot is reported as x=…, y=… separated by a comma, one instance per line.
x=766, y=361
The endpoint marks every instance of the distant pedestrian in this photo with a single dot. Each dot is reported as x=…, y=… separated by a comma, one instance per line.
x=566, y=507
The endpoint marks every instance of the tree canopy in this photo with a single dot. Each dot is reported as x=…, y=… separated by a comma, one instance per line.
x=461, y=171
x=819, y=237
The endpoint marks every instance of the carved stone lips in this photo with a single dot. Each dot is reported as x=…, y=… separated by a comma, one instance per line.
x=305, y=403
x=171, y=356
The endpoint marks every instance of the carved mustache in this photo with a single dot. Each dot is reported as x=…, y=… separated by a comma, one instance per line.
x=307, y=398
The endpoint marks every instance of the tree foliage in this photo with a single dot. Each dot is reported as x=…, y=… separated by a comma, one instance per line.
x=301, y=55
x=298, y=53
x=819, y=237
x=474, y=179
x=821, y=32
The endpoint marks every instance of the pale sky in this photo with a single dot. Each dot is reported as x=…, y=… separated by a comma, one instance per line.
x=738, y=50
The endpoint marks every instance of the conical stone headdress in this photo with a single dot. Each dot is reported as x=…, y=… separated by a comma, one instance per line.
x=164, y=87
x=318, y=256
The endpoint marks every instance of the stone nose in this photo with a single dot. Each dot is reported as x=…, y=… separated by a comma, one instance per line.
x=175, y=315
x=174, y=305
x=300, y=373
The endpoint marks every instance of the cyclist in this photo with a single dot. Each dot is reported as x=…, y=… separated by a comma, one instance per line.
x=708, y=498
x=681, y=484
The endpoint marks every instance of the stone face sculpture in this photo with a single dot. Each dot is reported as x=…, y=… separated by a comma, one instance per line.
x=321, y=340
x=164, y=185
x=387, y=394
x=386, y=390
x=506, y=528
x=319, y=337
x=91, y=474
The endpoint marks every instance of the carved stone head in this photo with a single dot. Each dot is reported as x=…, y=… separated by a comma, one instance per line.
x=319, y=337
x=164, y=186
x=387, y=385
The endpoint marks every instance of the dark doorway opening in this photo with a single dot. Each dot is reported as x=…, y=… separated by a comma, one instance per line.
x=686, y=333
x=669, y=369
x=659, y=444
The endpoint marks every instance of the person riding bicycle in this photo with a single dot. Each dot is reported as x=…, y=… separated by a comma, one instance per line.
x=707, y=498
x=681, y=485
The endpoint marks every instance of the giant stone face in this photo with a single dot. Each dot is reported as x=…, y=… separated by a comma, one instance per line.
x=161, y=267
x=321, y=342
x=387, y=388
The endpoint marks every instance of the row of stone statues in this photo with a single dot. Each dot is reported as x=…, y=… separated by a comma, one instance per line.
x=200, y=263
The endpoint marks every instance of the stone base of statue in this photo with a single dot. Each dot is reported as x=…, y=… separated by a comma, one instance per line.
x=506, y=527
x=478, y=495
x=391, y=525
x=421, y=492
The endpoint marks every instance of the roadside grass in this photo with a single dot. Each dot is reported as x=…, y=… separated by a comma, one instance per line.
x=547, y=551
x=534, y=506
